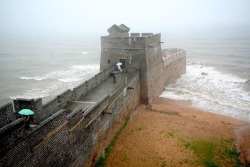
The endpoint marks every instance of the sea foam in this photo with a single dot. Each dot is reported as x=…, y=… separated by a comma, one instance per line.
x=212, y=90
x=70, y=74
x=53, y=83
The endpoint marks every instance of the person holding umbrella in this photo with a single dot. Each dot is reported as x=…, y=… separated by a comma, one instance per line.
x=26, y=113
x=119, y=64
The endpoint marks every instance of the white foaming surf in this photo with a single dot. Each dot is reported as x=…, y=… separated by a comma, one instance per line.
x=53, y=83
x=70, y=74
x=212, y=90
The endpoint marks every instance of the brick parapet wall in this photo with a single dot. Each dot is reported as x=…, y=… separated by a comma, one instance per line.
x=7, y=114
x=22, y=143
x=57, y=138
x=171, y=55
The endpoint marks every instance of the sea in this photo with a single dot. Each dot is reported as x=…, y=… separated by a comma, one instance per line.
x=217, y=78
x=218, y=71
x=44, y=67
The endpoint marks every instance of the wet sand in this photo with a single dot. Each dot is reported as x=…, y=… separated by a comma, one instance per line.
x=158, y=135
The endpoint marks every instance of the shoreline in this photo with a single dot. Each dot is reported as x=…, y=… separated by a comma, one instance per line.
x=160, y=134
x=241, y=128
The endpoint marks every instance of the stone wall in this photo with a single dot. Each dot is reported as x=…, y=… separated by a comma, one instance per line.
x=131, y=49
x=150, y=66
x=6, y=114
x=68, y=139
x=77, y=137
x=162, y=75
x=108, y=124
x=163, y=70
x=31, y=148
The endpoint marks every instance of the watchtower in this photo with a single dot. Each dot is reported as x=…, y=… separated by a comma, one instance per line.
x=135, y=50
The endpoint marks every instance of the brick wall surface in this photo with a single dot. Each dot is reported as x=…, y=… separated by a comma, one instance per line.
x=50, y=108
x=7, y=114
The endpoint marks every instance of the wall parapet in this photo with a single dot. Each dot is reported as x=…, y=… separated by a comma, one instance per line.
x=171, y=55
x=8, y=112
x=12, y=124
x=133, y=42
x=93, y=107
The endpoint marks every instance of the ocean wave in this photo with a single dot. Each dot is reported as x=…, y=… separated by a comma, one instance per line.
x=32, y=78
x=183, y=94
x=212, y=73
x=54, y=83
x=40, y=91
x=216, y=91
x=71, y=74
x=85, y=67
x=69, y=79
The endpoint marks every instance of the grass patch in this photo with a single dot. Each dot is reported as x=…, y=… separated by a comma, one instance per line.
x=215, y=152
x=103, y=159
x=232, y=153
x=205, y=150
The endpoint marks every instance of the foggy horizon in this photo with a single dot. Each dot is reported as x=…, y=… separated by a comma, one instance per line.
x=63, y=17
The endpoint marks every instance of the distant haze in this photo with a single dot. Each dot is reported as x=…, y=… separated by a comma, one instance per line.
x=60, y=17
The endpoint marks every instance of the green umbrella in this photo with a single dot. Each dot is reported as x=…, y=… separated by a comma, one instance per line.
x=26, y=112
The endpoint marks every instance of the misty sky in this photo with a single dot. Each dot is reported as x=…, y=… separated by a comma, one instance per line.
x=91, y=16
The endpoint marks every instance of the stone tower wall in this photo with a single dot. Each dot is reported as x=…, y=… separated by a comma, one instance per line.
x=129, y=48
x=143, y=52
x=152, y=61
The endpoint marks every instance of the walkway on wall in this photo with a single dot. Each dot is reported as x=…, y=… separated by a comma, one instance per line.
x=106, y=88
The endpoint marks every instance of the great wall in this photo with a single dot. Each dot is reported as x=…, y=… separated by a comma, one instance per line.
x=74, y=128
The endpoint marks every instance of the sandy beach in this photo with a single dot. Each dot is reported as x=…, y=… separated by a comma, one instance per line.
x=173, y=133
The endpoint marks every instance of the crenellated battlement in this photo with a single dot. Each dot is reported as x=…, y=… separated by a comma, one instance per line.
x=134, y=41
